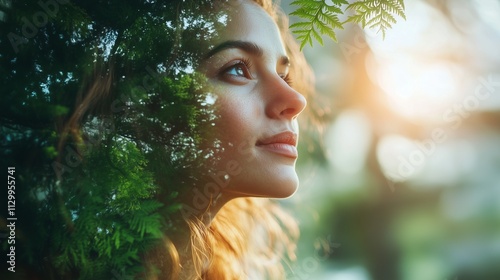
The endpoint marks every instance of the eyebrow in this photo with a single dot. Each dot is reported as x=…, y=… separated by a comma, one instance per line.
x=245, y=46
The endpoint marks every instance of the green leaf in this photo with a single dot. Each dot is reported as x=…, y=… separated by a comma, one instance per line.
x=318, y=18
x=376, y=14
x=317, y=36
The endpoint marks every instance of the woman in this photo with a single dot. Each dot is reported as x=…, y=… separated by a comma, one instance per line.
x=153, y=169
x=249, y=70
x=234, y=236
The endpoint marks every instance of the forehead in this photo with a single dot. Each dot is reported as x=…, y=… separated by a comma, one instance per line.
x=249, y=22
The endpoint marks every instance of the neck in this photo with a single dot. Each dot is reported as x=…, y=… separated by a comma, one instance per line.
x=214, y=207
x=197, y=206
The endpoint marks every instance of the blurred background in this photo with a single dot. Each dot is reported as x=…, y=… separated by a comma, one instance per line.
x=406, y=182
x=402, y=180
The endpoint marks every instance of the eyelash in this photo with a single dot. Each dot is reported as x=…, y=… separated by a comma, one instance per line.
x=287, y=79
x=246, y=64
x=242, y=63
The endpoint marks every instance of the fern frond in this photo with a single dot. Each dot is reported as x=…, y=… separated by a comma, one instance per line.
x=376, y=14
x=320, y=19
x=317, y=36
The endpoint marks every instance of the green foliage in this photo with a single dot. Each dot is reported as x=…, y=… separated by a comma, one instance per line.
x=94, y=200
x=377, y=14
x=322, y=18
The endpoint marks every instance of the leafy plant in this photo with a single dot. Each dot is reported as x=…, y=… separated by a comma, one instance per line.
x=322, y=18
x=95, y=198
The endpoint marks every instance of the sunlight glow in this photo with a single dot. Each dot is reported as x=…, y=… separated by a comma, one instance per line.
x=348, y=142
x=417, y=89
x=489, y=11
x=400, y=158
x=418, y=65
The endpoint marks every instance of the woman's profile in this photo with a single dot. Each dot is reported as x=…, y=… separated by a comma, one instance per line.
x=184, y=124
x=249, y=71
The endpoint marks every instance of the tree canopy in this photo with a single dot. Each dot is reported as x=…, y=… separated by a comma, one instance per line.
x=100, y=98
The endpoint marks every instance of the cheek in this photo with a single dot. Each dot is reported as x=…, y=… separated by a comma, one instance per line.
x=238, y=120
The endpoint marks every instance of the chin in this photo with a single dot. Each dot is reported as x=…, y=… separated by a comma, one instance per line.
x=279, y=185
x=289, y=183
x=287, y=190
x=284, y=185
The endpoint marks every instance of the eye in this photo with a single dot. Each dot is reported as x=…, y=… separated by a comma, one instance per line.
x=238, y=71
x=286, y=78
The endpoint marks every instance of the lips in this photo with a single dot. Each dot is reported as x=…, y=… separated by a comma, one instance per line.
x=284, y=144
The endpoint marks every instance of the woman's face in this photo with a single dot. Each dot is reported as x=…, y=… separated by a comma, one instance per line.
x=257, y=108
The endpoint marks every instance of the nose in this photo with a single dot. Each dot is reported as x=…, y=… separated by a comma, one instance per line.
x=283, y=101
